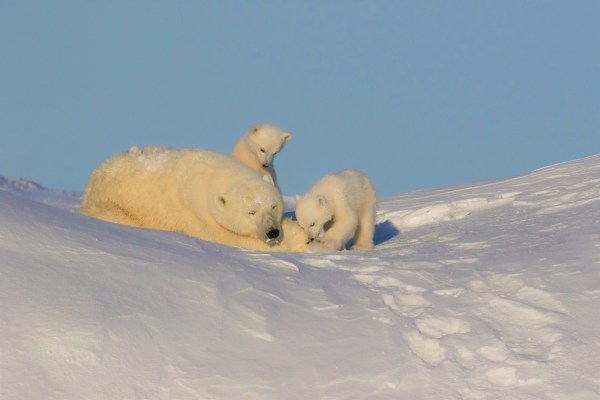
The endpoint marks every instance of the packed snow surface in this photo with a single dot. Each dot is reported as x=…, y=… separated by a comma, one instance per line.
x=484, y=291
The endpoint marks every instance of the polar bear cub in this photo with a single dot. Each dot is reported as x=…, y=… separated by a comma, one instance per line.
x=258, y=147
x=199, y=192
x=339, y=207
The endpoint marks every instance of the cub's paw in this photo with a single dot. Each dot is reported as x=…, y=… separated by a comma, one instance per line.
x=362, y=246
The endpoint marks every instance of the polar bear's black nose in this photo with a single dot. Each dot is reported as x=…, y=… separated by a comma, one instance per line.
x=265, y=165
x=273, y=233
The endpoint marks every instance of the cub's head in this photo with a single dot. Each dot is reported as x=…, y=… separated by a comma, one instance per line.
x=252, y=208
x=266, y=141
x=313, y=214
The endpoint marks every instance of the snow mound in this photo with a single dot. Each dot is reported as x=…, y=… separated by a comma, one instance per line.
x=19, y=184
x=487, y=291
x=25, y=188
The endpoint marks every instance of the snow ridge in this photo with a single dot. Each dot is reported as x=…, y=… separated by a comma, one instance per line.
x=34, y=191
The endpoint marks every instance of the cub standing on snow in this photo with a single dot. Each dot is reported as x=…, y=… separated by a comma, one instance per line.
x=337, y=208
x=258, y=147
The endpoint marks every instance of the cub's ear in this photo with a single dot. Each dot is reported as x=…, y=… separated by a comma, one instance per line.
x=298, y=197
x=254, y=129
x=321, y=201
x=220, y=201
x=287, y=136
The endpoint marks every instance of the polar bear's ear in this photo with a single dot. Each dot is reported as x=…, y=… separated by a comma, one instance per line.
x=287, y=136
x=321, y=201
x=221, y=201
x=298, y=197
x=254, y=129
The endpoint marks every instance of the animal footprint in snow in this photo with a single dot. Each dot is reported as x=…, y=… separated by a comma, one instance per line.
x=440, y=327
x=428, y=350
x=409, y=305
x=523, y=329
x=495, y=353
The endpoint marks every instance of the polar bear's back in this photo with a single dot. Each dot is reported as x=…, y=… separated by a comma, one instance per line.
x=356, y=180
x=145, y=186
x=351, y=186
x=153, y=162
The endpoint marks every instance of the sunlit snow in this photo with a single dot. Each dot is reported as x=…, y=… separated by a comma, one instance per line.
x=484, y=291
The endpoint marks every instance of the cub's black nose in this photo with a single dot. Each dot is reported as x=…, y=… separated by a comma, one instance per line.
x=273, y=233
x=266, y=165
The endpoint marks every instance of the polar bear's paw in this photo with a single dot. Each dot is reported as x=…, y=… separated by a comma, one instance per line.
x=362, y=246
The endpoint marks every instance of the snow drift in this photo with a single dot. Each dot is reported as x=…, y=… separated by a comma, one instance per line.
x=484, y=291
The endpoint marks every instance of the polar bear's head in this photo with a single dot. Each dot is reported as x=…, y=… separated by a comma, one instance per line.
x=265, y=141
x=313, y=213
x=252, y=209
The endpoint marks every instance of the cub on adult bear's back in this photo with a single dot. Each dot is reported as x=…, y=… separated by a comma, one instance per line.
x=257, y=149
x=199, y=192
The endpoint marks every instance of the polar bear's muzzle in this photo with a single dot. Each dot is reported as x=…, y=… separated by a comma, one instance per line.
x=270, y=229
x=273, y=235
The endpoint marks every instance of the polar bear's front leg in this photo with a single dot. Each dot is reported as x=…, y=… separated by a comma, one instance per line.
x=363, y=239
x=115, y=213
x=328, y=243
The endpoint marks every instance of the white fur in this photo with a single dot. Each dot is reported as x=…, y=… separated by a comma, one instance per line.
x=339, y=207
x=199, y=192
x=258, y=147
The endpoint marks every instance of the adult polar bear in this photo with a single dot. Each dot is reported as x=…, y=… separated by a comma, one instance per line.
x=199, y=192
x=337, y=208
x=258, y=147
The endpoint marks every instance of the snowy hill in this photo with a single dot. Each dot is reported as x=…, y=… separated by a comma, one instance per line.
x=486, y=291
x=34, y=191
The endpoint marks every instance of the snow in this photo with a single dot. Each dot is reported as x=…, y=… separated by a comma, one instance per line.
x=152, y=158
x=483, y=291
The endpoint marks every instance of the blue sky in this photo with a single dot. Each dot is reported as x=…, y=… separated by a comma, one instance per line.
x=417, y=94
